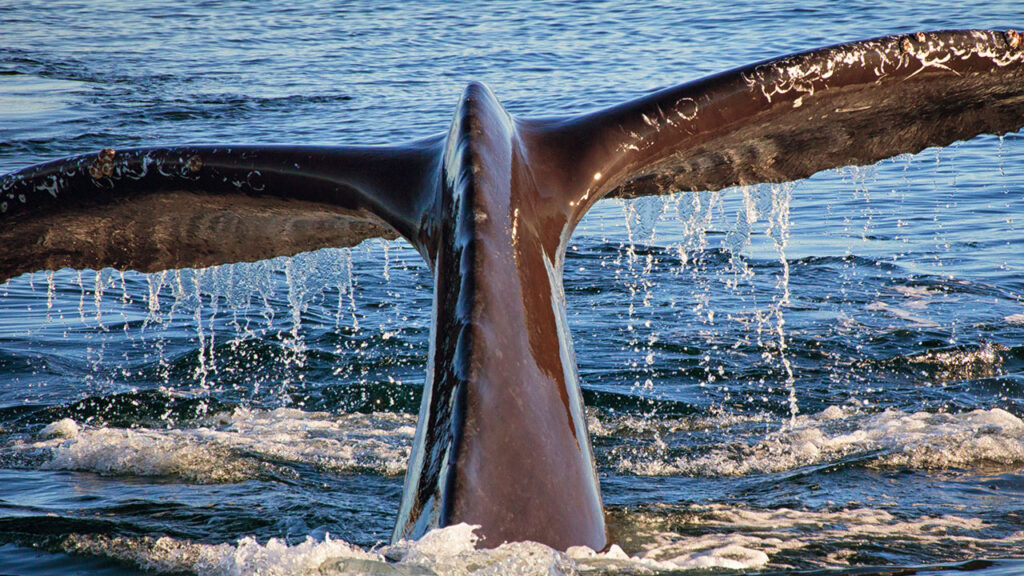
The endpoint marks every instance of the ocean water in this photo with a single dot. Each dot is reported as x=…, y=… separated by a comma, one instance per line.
x=816, y=376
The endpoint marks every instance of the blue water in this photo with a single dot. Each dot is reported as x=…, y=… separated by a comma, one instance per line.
x=864, y=412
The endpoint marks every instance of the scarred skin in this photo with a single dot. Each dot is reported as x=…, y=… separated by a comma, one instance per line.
x=490, y=205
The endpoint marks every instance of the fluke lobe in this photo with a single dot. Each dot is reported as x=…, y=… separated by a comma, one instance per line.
x=502, y=440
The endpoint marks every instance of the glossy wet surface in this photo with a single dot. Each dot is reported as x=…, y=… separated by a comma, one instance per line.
x=821, y=375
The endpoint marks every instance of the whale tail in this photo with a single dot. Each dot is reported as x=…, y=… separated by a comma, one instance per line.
x=502, y=439
x=154, y=209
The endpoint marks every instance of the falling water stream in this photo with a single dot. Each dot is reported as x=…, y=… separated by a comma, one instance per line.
x=767, y=205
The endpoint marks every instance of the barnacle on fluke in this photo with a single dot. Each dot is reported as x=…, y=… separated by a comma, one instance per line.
x=1013, y=38
x=103, y=166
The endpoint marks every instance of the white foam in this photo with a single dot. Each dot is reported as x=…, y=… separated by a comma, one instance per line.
x=66, y=428
x=734, y=551
x=233, y=446
x=247, y=557
x=977, y=439
x=733, y=537
x=748, y=536
x=960, y=364
x=450, y=551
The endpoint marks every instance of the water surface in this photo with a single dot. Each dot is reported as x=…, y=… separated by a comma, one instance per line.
x=820, y=375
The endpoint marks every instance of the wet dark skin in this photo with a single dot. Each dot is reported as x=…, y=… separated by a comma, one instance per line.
x=490, y=205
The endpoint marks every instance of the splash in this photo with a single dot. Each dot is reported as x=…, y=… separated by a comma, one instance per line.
x=228, y=447
x=244, y=444
x=449, y=551
x=726, y=538
x=981, y=440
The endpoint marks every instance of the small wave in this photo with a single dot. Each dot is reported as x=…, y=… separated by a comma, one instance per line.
x=838, y=537
x=172, y=556
x=924, y=441
x=242, y=444
x=1015, y=319
x=450, y=550
x=227, y=106
x=982, y=361
x=842, y=261
x=229, y=447
x=719, y=537
x=902, y=314
x=633, y=425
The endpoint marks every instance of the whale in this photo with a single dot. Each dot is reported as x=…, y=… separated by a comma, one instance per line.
x=490, y=204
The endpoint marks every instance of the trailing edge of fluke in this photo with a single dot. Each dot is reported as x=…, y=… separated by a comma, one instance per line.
x=502, y=439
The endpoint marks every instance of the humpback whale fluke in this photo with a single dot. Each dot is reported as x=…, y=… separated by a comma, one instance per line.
x=502, y=439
